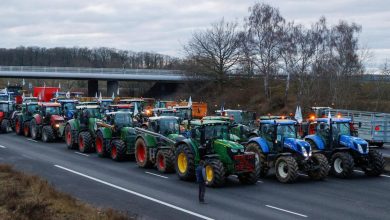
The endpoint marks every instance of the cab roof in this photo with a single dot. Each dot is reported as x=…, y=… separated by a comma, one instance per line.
x=162, y=117
x=279, y=122
x=208, y=122
x=87, y=106
x=68, y=100
x=132, y=100
x=216, y=117
x=337, y=120
x=118, y=113
x=122, y=105
x=49, y=104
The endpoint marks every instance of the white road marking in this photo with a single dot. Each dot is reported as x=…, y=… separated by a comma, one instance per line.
x=284, y=210
x=157, y=175
x=29, y=139
x=259, y=181
x=359, y=171
x=1, y=146
x=81, y=154
x=136, y=193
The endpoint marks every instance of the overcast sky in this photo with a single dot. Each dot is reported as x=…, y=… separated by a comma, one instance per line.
x=163, y=26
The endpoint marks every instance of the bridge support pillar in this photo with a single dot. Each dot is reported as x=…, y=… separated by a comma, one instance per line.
x=93, y=87
x=112, y=87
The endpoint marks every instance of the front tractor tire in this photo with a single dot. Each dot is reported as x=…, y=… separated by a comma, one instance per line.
x=286, y=168
x=165, y=161
x=48, y=134
x=215, y=173
x=5, y=126
x=142, y=155
x=323, y=167
x=342, y=164
x=118, y=150
x=26, y=129
x=185, y=163
x=69, y=138
x=85, y=142
x=100, y=145
x=34, y=130
x=18, y=126
x=376, y=164
x=262, y=166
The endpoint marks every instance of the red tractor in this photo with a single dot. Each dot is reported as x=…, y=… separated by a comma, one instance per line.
x=6, y=109
x=46, y=122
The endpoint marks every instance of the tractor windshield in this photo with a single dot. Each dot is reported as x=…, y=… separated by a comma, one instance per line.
x=52, y=110
x=4, y=107
x=32, y=108
x=70, y=106
x=236, y=115
x=286, y=131
x=217, y=132
x=94, y=112
x=105, y=104
x=169, y=126
x=341, y=129
x=4, y=98
x=123, y=120
x=183, y=113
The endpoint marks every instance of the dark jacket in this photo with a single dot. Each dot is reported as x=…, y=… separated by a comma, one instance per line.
x=200, y=174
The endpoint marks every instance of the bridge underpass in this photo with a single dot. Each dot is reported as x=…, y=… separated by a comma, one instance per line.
x=166, y=80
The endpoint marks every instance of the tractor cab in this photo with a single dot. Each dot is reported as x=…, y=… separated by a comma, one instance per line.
x=68, y=107
x=6, y=108
x=49, y=109
x=30, y=108
x=30, y=99
x=105, y=103
x=88, y=111
x=238, y=116
x=183, y=112
x=164, y=112
x=4, y=97
x=120, y=119
x=164, y=125
x=139, y=102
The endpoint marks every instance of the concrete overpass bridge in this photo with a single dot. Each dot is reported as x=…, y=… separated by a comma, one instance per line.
x=111, y=75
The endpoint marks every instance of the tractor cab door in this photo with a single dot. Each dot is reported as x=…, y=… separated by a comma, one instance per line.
x=267, y=131
x=323, y=130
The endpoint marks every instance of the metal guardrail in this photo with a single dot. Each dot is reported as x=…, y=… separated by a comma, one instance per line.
x=375, y=126
x=89, y=70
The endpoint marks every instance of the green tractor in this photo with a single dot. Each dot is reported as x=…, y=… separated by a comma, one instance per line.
x=211, y=141
x=116, y=136
x=155, y=146
x=81, y=130
x=23, y=118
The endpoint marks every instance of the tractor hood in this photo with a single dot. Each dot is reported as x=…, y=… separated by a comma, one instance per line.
x=55, y=118
x=298, y=145
x=354, y=143
x=229, y=144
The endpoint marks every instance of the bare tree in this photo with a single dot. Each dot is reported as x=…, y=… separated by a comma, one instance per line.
x=215, y=49
x=265, y=31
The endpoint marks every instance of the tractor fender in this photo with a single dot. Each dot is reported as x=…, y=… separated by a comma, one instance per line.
x=317, y=141
x=149, y=141
x=351, y=142
x=38, y=119
x=211, y=156
x=74, y=125
x=107, y=133
x=261, y=142
x=189, y=143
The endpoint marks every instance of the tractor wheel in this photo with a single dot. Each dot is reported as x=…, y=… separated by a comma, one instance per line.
x=118, y=150
x=263, y=166
x=215, y=173
x=286, y=168
x=26, y=129
x=35, y=134
x=5, y=126
x=323, y=170
x=185, y=163
x=69, y=139
x=250, y=178
x=48, y=134
x=142, y=154
x=100, y=145
x=18, y=126
x=342, y=164
x=165, y=161
x=376, y=164
x=85, y=142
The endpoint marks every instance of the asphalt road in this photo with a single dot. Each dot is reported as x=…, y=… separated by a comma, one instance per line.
x=152, y=195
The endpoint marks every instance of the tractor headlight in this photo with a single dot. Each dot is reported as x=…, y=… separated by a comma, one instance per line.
x=304, y=152
x=360, y=149
x=57, y=125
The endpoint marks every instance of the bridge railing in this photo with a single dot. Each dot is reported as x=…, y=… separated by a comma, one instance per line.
x=90, y=70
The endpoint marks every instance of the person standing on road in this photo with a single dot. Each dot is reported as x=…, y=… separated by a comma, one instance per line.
x=201, y=179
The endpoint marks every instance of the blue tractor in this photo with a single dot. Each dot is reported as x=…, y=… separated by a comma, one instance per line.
x=335, y=138
x=279, y=146
x=68, y=107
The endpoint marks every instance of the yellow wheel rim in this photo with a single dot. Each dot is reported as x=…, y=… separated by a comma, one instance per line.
x=209, y=173
x=182, y=162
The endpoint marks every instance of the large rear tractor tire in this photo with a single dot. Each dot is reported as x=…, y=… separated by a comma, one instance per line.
x=142, y=154
x=100, y=145
x=262, y=166
x=165, y=161
x=48, y=134
x=376, y=163
x=26, y=129
x=5, y=126
x=342, y=164
x=185, y=163
x=85, y=142
x=35, y=134
x=69, y=138
x=215, y=173
x=323, y=167
x=18, y=126
x=118, y=150
x=286, y=168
